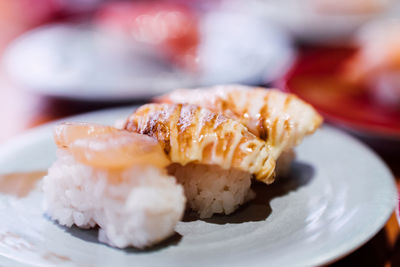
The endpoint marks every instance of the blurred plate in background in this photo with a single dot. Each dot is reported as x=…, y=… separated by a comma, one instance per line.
x=83, y=62
x=237, y=48
x=78, y=62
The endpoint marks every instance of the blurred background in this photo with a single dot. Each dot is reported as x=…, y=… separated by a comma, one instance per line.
x=64, y=57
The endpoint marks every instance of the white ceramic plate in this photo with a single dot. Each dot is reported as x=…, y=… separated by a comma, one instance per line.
x=339, y=195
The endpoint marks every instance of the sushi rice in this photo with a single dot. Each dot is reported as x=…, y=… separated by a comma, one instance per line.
x=211, y=189
x=138, y=206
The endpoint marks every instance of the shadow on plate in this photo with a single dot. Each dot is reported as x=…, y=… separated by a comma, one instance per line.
x=90, y=235
x=259, y=208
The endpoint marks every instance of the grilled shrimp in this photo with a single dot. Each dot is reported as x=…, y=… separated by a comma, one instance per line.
x=107, y=147
x=281, y=119
x=189, y=133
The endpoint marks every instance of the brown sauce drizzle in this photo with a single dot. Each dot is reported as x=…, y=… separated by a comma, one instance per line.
x=19, y=184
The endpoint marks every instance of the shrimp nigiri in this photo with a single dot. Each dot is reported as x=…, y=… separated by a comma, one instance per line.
x=214, y=156
x=114, y=179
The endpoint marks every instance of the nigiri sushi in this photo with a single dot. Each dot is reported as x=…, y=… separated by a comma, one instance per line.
x=281, y=119
x=215, y=156
x=114, y=179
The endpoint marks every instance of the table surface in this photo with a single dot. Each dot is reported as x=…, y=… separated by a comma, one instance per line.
x=21, y=110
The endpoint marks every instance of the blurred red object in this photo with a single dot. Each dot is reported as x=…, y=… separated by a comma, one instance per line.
x=17, y=16
x=171, y=27
x=316, y=78
x=376, y=65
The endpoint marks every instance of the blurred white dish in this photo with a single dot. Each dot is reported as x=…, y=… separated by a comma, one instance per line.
x=339, y=195
x=238, y=48
x=77, y=62
x=80, y=63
